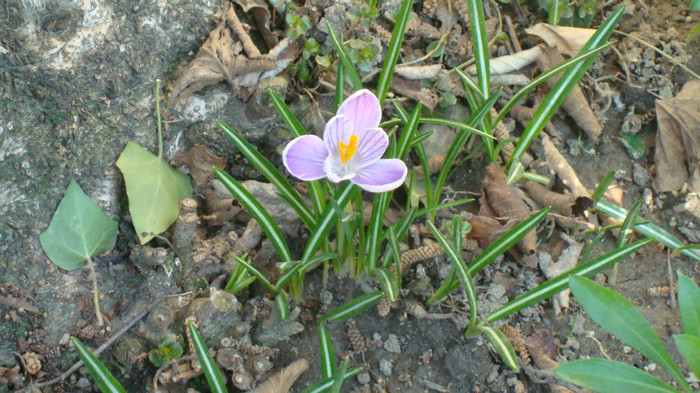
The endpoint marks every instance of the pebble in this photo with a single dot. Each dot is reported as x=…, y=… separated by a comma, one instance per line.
x=392, y=344
x=363, y=378
x=385, y=366
x=626, y=349
x=651, y=367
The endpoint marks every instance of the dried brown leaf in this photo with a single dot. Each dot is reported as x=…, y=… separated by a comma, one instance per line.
x=507, y=204
x=569, y=40
x=229, y=54
x=575, y=104
x=261, y=14
x=677, y=153
x=413, y=88
x=283, y=380
x=200, y=162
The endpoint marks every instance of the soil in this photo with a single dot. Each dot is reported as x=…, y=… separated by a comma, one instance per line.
x=77, y=81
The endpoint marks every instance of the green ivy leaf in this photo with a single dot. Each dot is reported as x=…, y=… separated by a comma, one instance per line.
x=79, y=229
x=155, y=190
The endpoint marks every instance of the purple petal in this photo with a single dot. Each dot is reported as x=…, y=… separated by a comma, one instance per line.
x=304, y=157
x=372, y=144
x=362, y=110
x=337, y=130
x=384, y=175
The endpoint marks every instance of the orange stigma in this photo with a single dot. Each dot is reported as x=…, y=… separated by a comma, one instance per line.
x=349, y=150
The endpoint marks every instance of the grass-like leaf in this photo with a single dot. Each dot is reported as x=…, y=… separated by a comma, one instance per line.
x=689, y=304
x=393, y=51
x=257, y=274
x=546, y=75
x=560, y=282
x=617, y=315
x=340, y=377
x=353, y=307
x=462, y=272
x=647, y=229
x=270, y=172
x=503, y=346
x=258, y=212
x=102, y=377
x=327, y=383
x=608, y=376
x=345, y=59
x=689, y=347
x=498, y=247
x=328, y=364
x=388, y=282
x=79, y=230
x=561, y=90
x=603, y=186
x=282, y=305
x=155, y=190
x=209, y=367
x=480, y=41
x=327, y=221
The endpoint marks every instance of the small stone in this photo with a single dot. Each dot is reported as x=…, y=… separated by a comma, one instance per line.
x=651, y=367
x=326, y=297
x=385, y=366
x=65, y=339
x=626, y=349
x=392, y=344
x=363, y=378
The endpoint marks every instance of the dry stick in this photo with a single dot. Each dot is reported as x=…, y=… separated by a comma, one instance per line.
x=101, y=348
x=512, y=34
x=237, y=27
x=562, y=168
x=95, y=292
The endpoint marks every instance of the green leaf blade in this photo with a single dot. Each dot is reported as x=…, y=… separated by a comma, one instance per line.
x=617, y=315
x=689, y=347
x=102, y=377
x=503, y=346
x=273, y=232
x=607, y=376
x=79, y=229
x=353, y=307
x=155, y=190
x=689, y=304
x=209, y=367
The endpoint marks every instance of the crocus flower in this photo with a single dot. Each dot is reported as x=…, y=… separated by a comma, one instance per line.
x=351, y=149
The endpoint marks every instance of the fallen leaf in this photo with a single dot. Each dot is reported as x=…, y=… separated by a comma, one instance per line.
x=506, y=203
x=154, y=188
x=258, y=10
x=575, y=104
x=510, y=63
x=222, y=57
x=200, y=163
x=566, y=261
x=79, y=229
x=413, y=88
x=677, y=153
x=283, y=380
x=569, y=40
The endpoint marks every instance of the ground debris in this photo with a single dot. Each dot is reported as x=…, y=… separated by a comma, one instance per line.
x=222, y=58
x=677, y=154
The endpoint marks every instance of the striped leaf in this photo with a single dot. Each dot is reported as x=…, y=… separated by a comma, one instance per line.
x=561, y=90
x=502, y=344
x=345, y=59
x=561, y=282
x=209, y=367
x=272, y=175
x=608, y=376
x=327, y=383
x=353, y=307
x=689, y=304
x=102, y=377
x=394, y=50
x=328, y=365
x=258, y=212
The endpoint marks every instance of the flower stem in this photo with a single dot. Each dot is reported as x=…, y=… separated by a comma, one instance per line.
x=95, y=293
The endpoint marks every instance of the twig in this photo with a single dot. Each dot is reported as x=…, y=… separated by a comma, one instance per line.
x=100, y=349
x=19, y=304
x=95, y=293
x=237, y=27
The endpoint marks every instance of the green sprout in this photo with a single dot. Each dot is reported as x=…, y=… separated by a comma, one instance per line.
x=297, y=25
x=169, y=348
x=362, y=53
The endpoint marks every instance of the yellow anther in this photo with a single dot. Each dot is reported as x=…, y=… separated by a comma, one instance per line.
x=349, y=150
